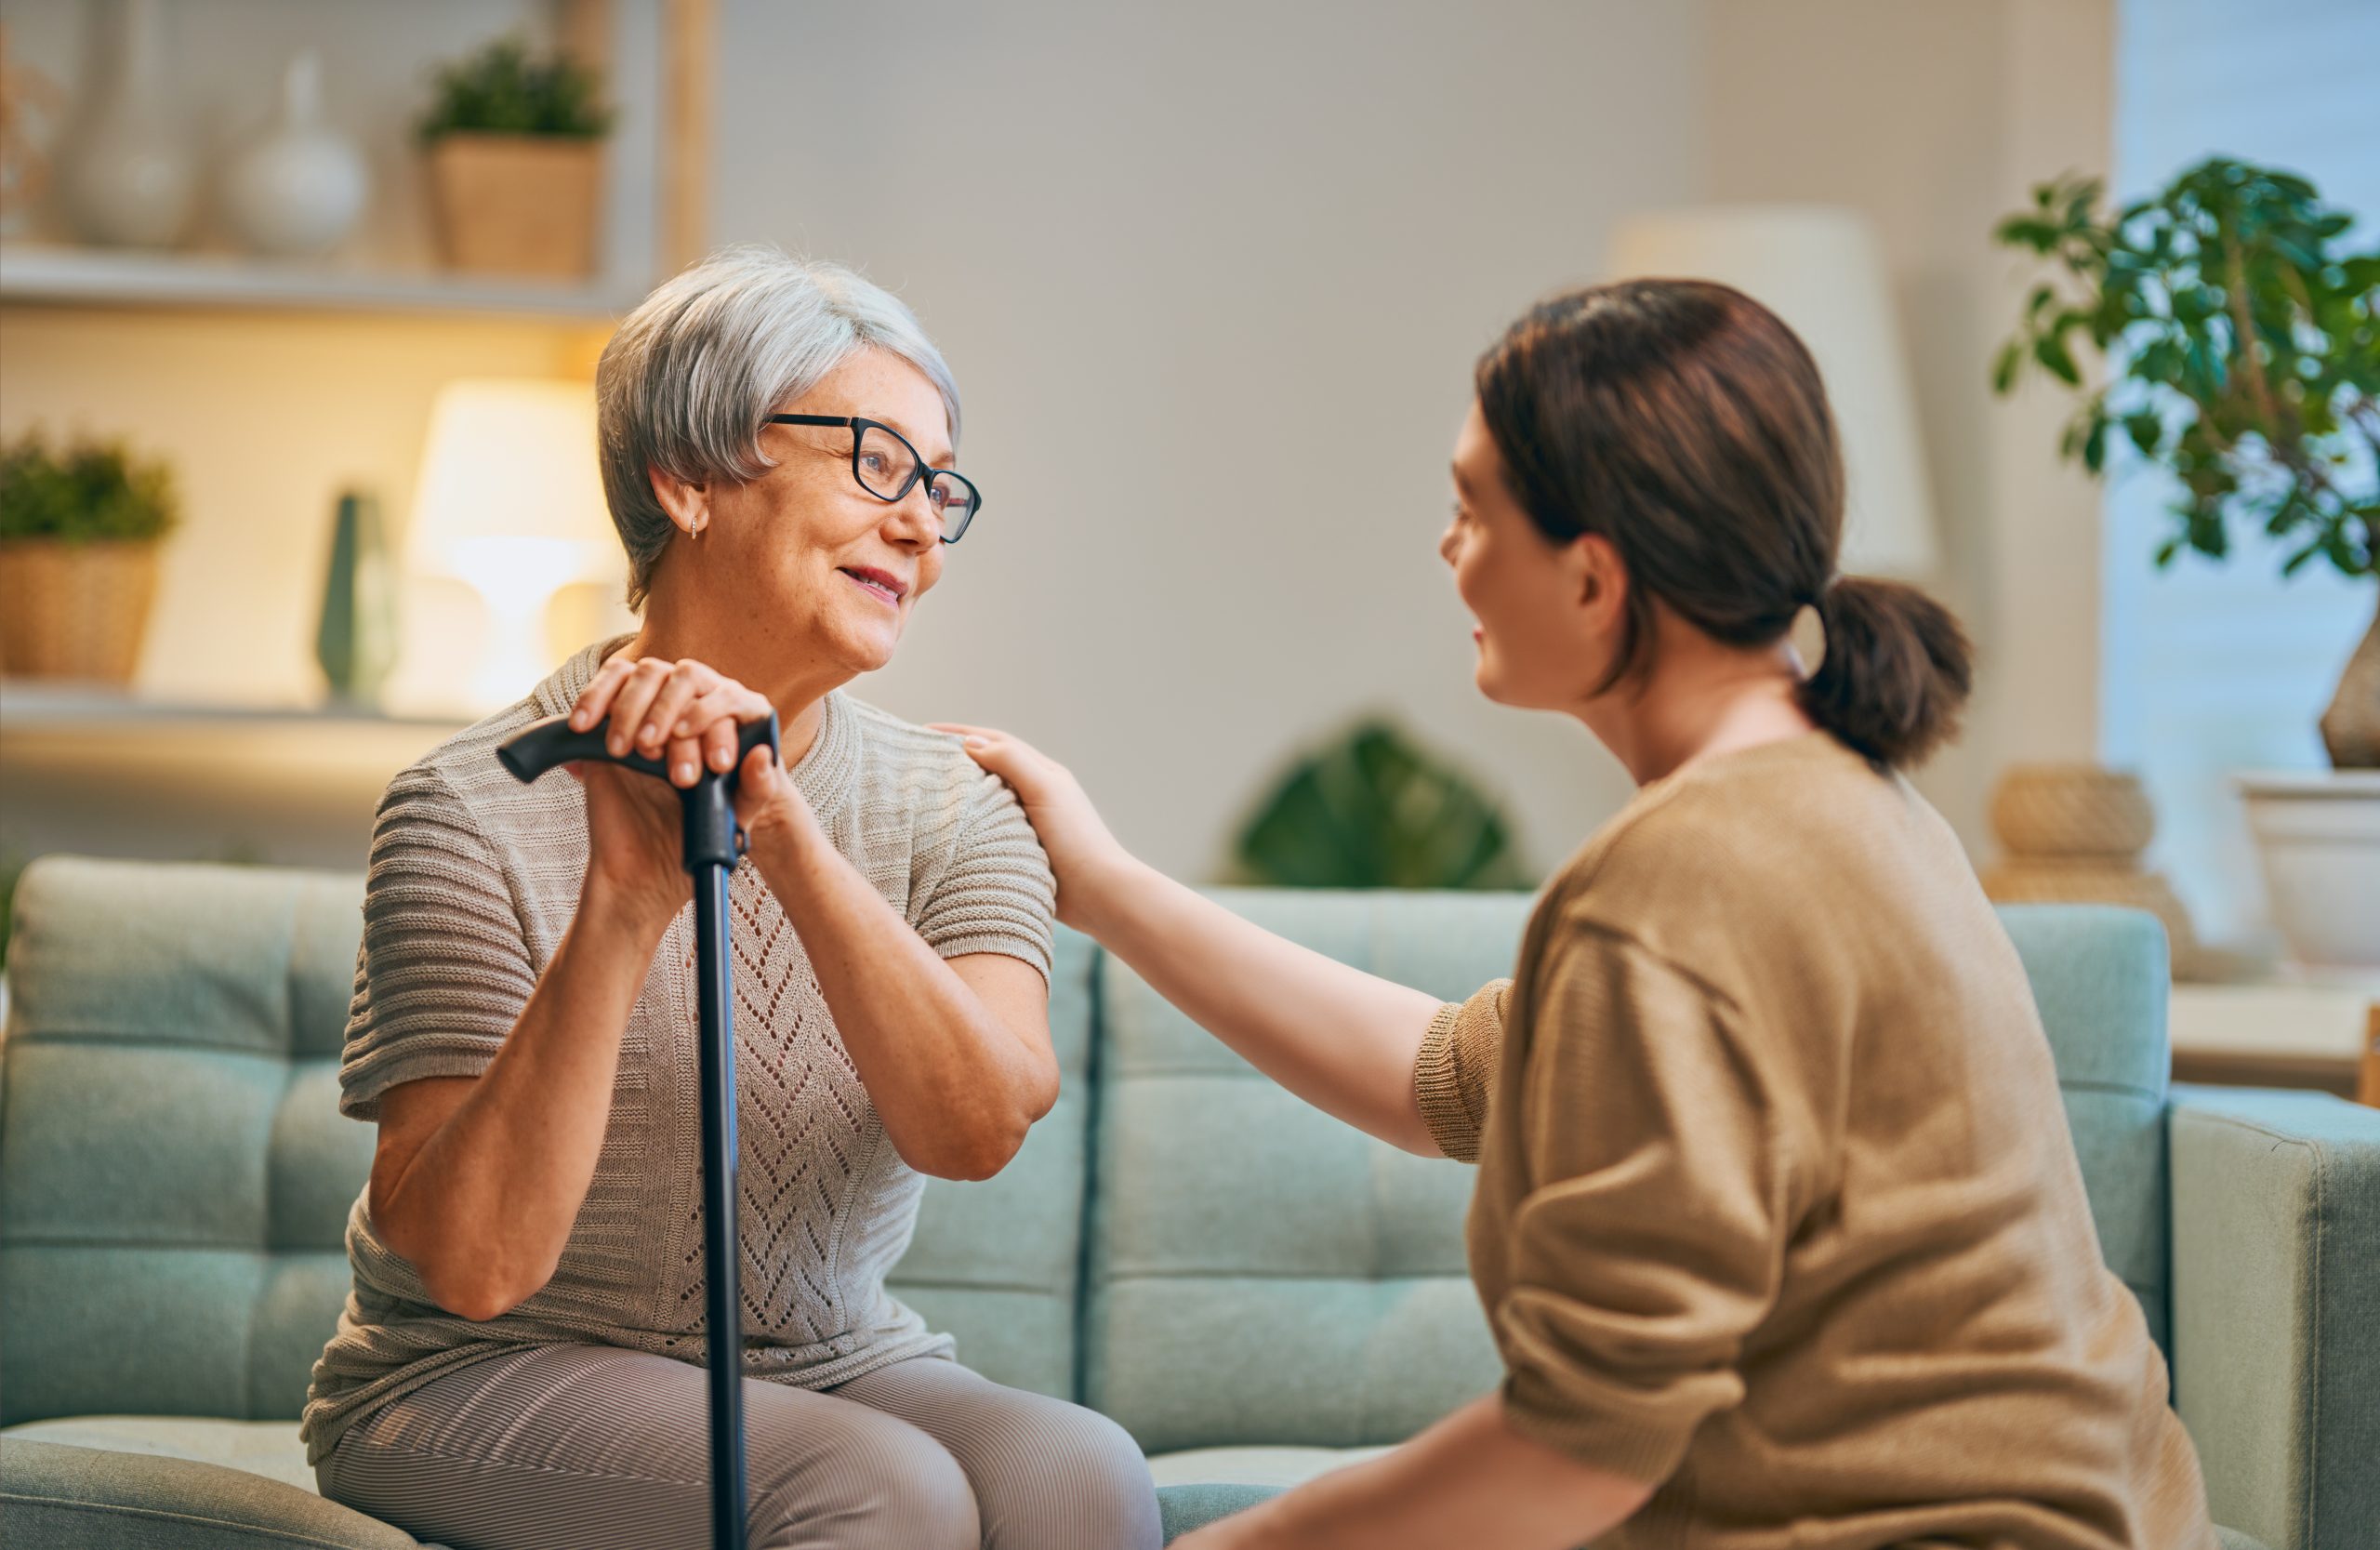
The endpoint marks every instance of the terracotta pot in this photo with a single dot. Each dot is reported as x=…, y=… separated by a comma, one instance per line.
x=74, y=610
x=2351, y=727
x=522, y=204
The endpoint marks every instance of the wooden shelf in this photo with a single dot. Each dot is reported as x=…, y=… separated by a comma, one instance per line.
x=47, y=274
x=38, y=707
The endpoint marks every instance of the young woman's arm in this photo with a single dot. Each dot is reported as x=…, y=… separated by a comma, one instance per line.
x=1344, y=1041
x=1470, y=1479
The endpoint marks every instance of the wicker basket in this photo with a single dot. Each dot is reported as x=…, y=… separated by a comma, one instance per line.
x=2072, y=810
x=2025, y=879
x=517, y=204
x=74, y=610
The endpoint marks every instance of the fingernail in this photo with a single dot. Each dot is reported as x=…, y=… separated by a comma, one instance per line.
x=578, y=720
x=685, y=771
x=977, y=743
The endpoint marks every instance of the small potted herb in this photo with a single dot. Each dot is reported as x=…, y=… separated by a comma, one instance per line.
x=79, y=532
x=515, y=144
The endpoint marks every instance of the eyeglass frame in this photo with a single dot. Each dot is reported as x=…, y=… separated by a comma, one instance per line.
x=859, y=427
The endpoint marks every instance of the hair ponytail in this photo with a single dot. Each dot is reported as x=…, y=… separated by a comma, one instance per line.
x=1896, y=672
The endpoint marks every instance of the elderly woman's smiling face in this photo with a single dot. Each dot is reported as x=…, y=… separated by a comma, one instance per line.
x=802, y=554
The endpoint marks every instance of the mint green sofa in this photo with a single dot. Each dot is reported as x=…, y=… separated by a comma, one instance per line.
x=1253, y=1290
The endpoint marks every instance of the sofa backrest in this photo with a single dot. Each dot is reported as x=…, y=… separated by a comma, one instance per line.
x=1258, y=1272
x=174, y=1175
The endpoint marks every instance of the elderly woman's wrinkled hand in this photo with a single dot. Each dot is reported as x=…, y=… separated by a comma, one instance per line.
x=684, y=713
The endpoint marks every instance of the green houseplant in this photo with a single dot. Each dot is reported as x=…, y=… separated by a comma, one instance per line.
x=2235, y=321
x=515, y=142
x=2243, y=356
x=79, y=531
x=1372, y=809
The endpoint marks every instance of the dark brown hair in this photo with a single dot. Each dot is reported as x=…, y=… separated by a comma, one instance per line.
x=1681, y=421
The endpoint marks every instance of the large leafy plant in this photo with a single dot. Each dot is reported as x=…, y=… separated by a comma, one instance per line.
x=2241, y=352
x=1373, y=810
x=504, y=89
x=88, y=492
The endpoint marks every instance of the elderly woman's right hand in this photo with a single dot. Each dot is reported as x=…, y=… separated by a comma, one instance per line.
x=682, y=713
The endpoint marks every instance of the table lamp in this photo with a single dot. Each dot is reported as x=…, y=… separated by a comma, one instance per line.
x=510, y=501
x=1821, y=270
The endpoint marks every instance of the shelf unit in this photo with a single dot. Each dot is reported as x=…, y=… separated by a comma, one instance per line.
x=45, y=274
x=103, y=773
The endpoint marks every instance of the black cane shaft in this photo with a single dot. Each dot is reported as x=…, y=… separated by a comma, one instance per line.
x=725, y=1321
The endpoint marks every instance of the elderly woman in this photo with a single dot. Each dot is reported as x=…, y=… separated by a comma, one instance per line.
x=518, y=1364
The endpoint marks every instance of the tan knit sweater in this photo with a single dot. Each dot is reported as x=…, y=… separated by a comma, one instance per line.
x=1777, y=1205
x=473, y=880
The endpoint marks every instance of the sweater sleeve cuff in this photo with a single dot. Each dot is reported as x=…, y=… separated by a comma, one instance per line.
x=1543, y=1412
x=1450, y=1075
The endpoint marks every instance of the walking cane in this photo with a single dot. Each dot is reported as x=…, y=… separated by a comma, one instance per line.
x=712, y=845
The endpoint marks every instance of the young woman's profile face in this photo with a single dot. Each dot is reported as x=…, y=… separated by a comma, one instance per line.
x=1544, y=636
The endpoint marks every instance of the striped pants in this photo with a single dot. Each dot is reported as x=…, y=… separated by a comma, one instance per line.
x=586, y=1447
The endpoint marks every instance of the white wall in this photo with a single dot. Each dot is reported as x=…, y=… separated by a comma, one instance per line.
x=1933, y=121
x=1212, y=278
x=2213, y=668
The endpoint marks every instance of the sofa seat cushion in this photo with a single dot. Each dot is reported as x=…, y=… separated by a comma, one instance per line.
x=1253, y=1465
x=61, y=1496
x=266, y=1447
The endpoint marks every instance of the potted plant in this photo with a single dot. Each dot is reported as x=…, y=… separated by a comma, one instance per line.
x=2241, y=355
x=516, y=162
x=79, y=530
x=1372, y=810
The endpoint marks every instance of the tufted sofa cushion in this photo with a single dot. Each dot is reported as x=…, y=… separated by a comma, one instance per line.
x=1261, y=1273
x=174, y=1174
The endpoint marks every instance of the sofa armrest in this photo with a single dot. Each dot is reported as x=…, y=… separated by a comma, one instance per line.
x=2276, y=1309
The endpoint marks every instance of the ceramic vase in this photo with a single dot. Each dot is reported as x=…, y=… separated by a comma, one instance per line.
x=356, y=642
x=131, y=179
x=297, y=190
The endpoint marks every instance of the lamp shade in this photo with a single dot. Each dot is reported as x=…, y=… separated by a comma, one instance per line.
x=1821, y=270
x=511, y=461
x=510, y=501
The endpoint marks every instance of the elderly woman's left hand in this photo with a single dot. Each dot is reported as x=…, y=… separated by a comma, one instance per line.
x=686, y=715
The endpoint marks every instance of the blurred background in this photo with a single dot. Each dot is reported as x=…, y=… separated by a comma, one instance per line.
x=300, y=300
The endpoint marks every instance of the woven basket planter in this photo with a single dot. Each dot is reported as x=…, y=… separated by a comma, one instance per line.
x=74, y=610
x=517, y=204
x=2072, y=810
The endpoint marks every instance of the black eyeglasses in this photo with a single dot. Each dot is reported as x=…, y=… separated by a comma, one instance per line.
x=888, y=467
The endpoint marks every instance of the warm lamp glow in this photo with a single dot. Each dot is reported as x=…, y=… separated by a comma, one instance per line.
x=1818, y=268
x=510, y=501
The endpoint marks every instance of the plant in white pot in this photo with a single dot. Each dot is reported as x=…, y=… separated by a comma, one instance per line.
x=516, y=162
x=2243, y=356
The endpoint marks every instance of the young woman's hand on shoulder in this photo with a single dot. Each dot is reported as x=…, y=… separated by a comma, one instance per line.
x=1088, y=861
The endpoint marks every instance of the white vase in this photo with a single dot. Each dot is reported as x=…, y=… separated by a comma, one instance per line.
x=2318, y=833
x=297, y=190
x=130, y=179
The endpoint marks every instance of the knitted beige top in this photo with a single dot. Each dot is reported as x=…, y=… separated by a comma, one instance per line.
x=473, y=879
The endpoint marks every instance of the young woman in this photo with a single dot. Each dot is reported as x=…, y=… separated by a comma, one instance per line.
x=1778, y=1221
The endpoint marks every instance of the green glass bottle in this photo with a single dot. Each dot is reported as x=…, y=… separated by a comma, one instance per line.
x=356, y=642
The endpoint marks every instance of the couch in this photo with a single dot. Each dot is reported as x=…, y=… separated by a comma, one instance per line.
x=1252, y=1288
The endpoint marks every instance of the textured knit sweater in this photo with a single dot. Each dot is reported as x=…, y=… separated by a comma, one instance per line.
x=1777, y=1207
x=472, y=881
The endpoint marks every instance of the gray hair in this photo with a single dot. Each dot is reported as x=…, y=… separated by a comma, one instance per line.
x=687, y=383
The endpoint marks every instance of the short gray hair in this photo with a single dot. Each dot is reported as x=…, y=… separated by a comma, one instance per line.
x=691, y=377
